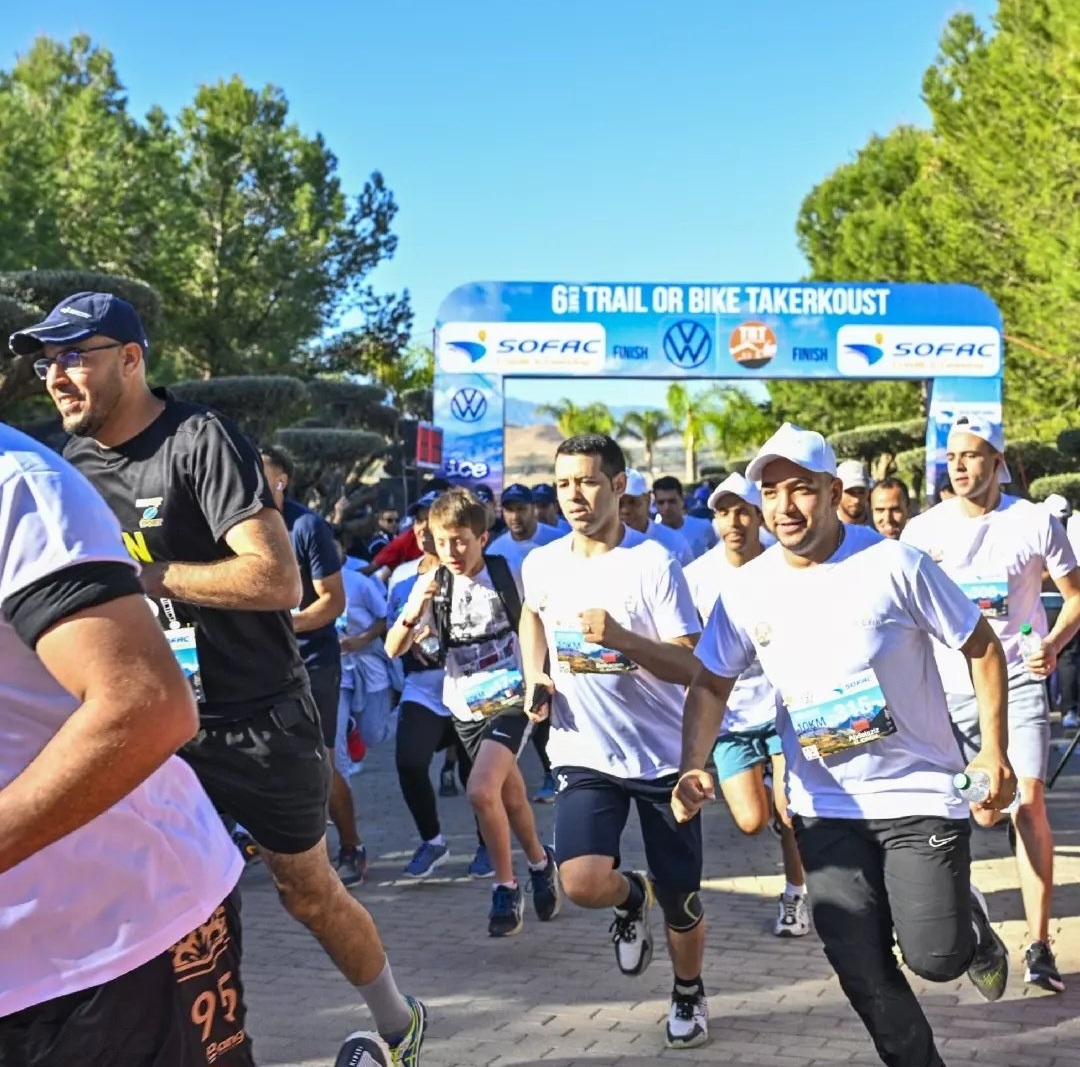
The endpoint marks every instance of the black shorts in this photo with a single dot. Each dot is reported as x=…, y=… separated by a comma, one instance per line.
x=325, y=683
x=270, y=772
x=185, y=1008
x=510, y=729
x=591, y=810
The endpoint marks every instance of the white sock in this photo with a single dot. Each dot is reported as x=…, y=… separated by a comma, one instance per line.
x=794, y=890
x=541, y=866
x=509, y=885
x=438, y=841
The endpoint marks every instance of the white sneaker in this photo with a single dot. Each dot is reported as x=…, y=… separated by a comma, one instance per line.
x=792, y=917
x=688, y=1021
x=631, y=932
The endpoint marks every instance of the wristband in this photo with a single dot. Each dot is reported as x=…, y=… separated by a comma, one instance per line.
x=408, y=625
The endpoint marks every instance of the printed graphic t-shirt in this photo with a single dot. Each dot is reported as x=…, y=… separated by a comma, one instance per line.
x=876, y=605
x=155, y=865
x=483, y=661
x=998, y=560
x=609, y=714
x=177, y=488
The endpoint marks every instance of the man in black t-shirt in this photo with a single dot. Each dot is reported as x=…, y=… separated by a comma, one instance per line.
x=217, y=564
x=315, y=625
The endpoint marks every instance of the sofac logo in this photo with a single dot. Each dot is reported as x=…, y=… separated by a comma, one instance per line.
x=522, y=347
x=918, y=351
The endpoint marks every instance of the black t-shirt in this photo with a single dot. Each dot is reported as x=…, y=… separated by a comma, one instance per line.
x=177, y=488
x=318, y=556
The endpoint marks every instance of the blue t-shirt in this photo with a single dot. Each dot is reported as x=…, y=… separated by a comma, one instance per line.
x=318, y=556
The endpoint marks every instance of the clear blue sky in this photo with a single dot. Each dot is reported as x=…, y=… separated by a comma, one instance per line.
x=563, y=139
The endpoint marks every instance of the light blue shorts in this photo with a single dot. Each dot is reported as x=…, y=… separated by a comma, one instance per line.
x=1029, y=725
x=740, y=750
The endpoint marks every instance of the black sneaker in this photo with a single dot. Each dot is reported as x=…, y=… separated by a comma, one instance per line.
x=507, y=914
x=631, y=933
x=448, y=782
x=989, y=970
x=1041, y=968
x=545, y=888
x=351, y=866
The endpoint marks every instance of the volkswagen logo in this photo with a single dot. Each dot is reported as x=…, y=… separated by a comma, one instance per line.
x=468, y=405
x=687, y=344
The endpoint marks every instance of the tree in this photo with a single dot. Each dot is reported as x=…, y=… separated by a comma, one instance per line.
x=691, y=415
x=571, y=420
x=740, y=424
x=880, y=446
x=260, y=404
x=648, y=427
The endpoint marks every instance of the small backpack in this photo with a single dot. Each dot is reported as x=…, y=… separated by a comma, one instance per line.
x=502, y=579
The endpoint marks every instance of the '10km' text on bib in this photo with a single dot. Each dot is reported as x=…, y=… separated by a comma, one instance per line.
x=842, y=717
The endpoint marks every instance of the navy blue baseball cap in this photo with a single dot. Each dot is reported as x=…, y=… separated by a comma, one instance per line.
x=423, y=503
x=517, y=494
x=484, y=494
x=78, y=317
x=544, y=494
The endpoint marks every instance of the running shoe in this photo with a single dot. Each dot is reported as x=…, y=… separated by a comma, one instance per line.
x=989, y=970
x=1041, y=968
x=545, y=888
x=631, y=932
x=507, y=915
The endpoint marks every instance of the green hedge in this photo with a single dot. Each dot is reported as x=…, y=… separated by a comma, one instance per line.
x=47, y=288
x=349, y=406
x=868, y=442
x=261, y=404
x=321, y=448
x=1029, y=460
x=911, y=468
x=1068, y=485
x=1068, y=442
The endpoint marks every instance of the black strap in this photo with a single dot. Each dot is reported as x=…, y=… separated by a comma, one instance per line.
x=502, y=578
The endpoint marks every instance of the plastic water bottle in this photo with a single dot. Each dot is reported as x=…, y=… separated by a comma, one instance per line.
x=1030, y=645
x=974, y=787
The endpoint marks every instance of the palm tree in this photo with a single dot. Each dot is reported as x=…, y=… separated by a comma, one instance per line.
x=739, y=425
x=648, y=427
x=690, y=415
x=571, y=420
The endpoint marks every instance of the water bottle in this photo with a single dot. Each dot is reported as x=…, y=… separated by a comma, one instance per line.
x=974, y=787
x=1030, y=645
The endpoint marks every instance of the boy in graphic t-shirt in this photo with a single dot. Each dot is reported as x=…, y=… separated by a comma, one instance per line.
x=470, y=605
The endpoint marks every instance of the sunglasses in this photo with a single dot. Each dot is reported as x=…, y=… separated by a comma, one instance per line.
x=70, y=359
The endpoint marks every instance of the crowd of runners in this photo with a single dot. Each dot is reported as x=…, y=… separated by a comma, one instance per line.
x=192, y=665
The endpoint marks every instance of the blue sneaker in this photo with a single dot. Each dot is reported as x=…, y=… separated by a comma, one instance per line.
x=546, y=793
x=545, y=888
x=1070, y=721
x=481, y=866
x=426, y=858
x=507, y=911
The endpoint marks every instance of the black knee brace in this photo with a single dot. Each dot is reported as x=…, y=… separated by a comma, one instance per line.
x=682, y=911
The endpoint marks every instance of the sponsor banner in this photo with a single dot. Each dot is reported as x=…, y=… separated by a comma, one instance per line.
x=918, y=351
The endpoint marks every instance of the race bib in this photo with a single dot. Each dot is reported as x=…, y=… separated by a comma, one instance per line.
x=492, y=692
x=843, y=717
x=578, y=656
x=182, y=643
x=990, y=594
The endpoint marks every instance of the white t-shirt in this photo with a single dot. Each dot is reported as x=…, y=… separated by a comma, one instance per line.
x=998, y=560
x=483, y=661
x=698, y=534
x=365, y=602
x=421, y=687
x=122, y=889
x=516, y=551
x=610, y=715
x=672, y=540
x=1072, y=532
x=874, y=606
x=753, y=701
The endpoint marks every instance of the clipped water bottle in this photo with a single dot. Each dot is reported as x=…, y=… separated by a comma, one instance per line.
x=1030, y=645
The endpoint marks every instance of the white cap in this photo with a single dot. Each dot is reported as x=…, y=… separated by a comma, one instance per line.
x=735, y=485
x=805, y=448
x=984, y=430
x=853, y=474
x=1058, y=506
x=635, y=483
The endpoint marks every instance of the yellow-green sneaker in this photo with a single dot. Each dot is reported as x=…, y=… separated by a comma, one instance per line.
x=989, y=970
x=406, y=1053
